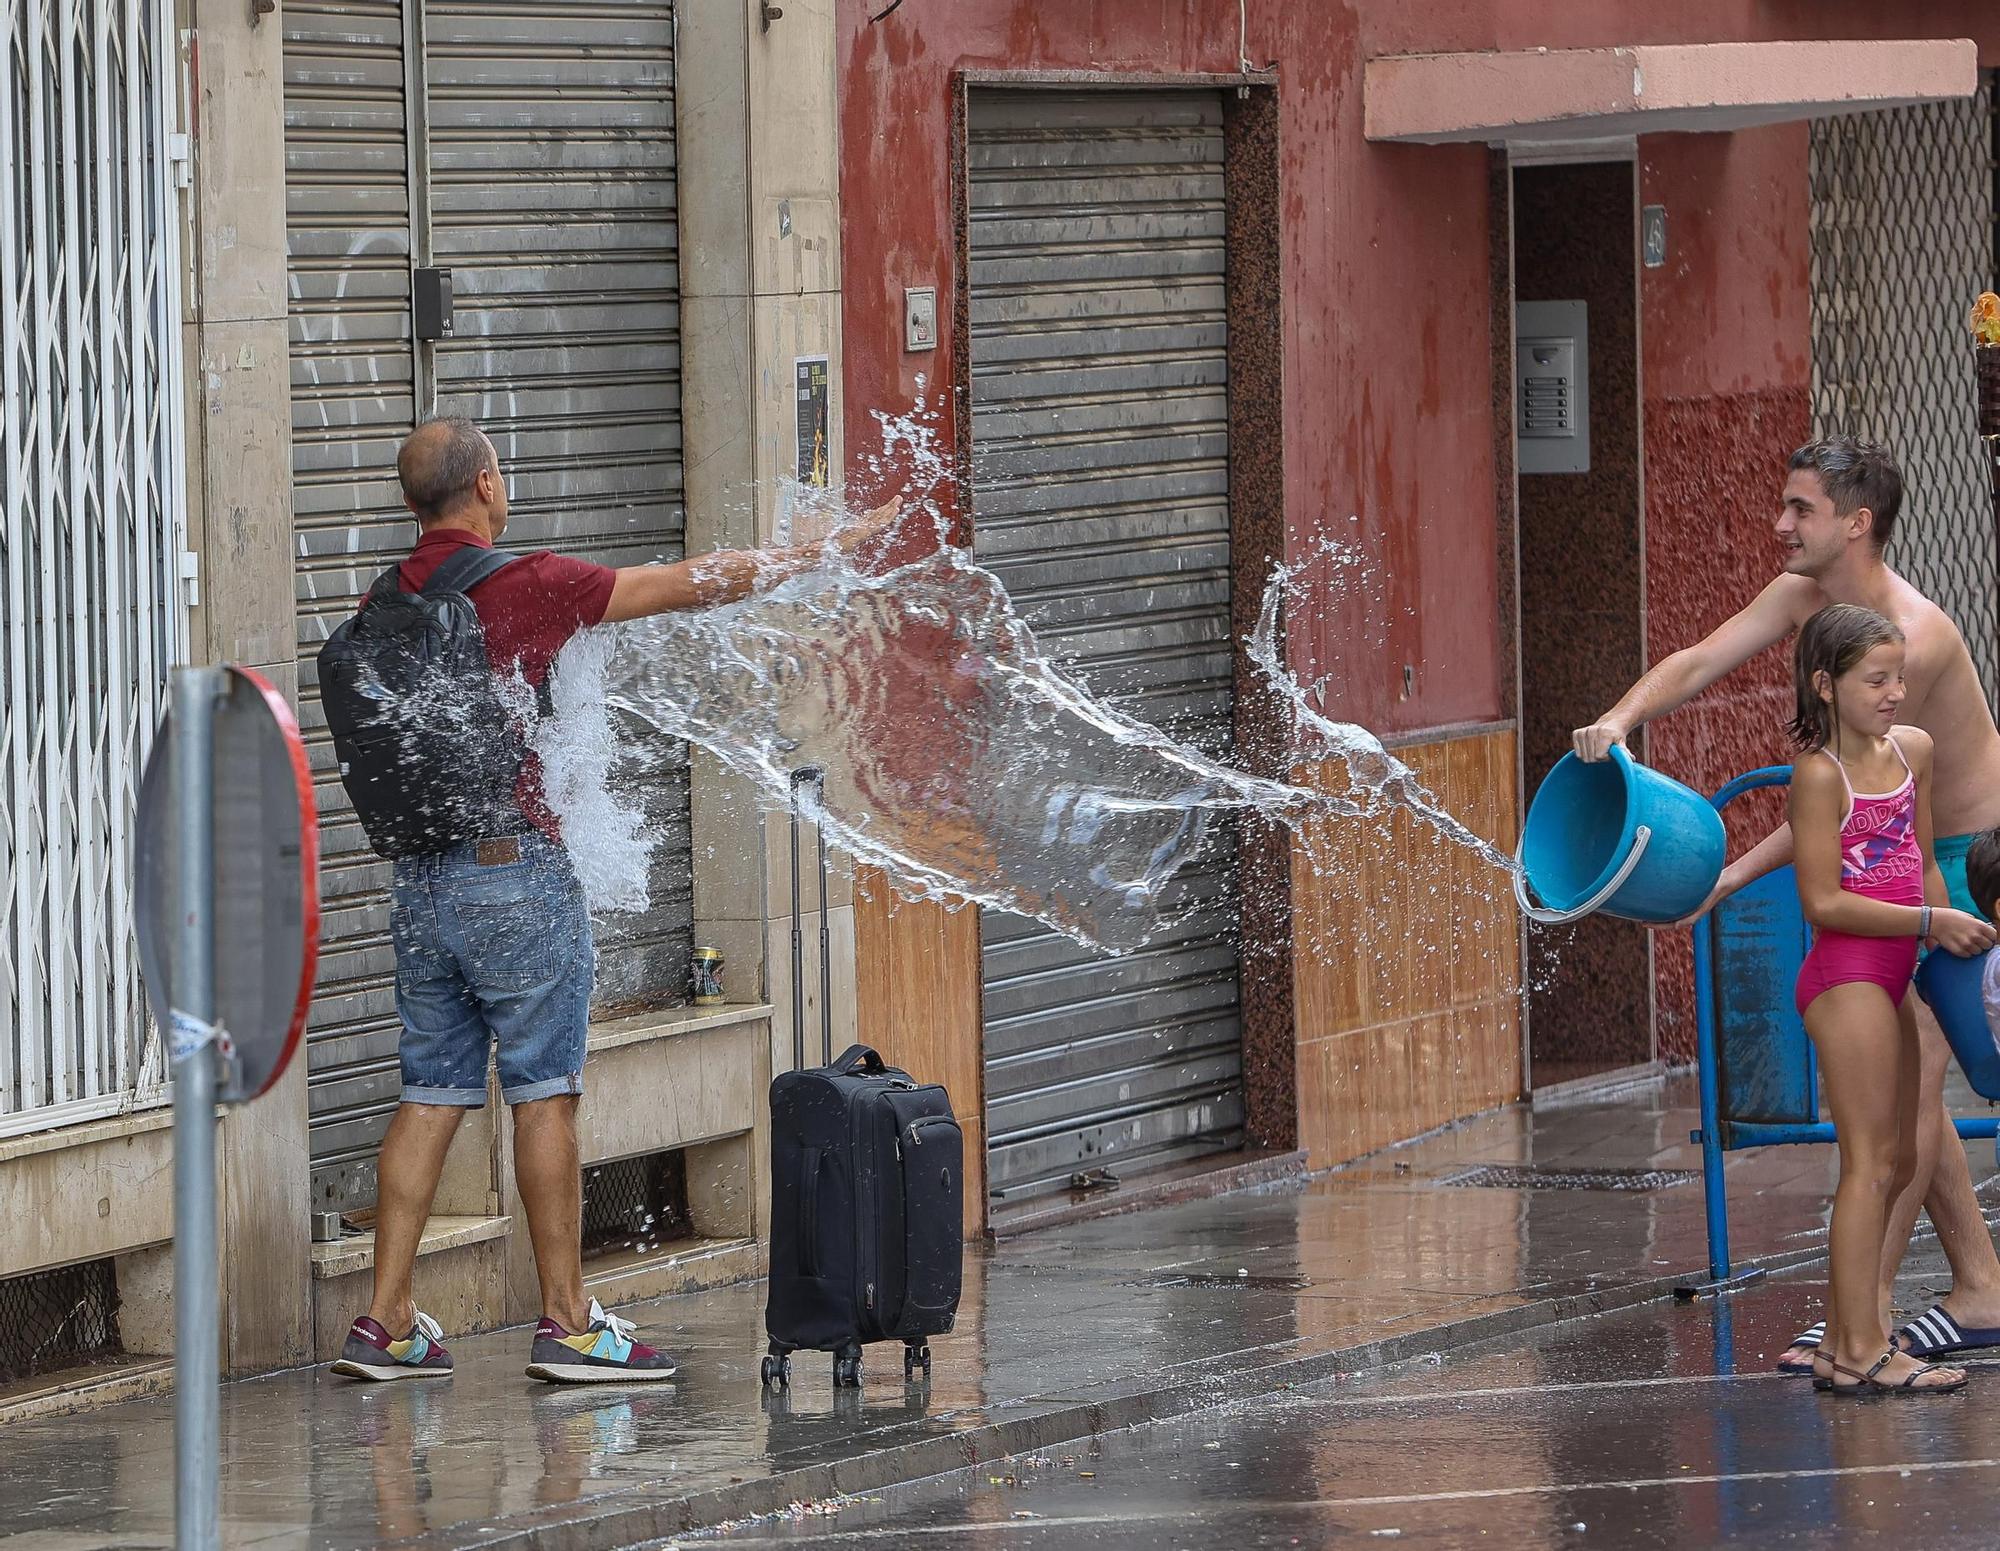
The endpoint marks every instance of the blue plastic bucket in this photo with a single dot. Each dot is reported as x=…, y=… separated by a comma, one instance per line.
x=1617, y=837
x=1952, y=986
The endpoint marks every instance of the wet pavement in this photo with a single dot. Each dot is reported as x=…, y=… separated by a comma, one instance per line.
x=1661, y=1426
x=1064, y=1334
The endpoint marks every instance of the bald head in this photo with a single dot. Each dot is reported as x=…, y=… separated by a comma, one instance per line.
x=440, y=464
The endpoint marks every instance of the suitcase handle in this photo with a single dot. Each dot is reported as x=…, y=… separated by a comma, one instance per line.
x=859, y=1058
x=810, y=779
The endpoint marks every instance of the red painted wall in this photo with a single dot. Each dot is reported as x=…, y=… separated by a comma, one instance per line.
x=1387, y=417
x=1727, y=372
x=1388, y=425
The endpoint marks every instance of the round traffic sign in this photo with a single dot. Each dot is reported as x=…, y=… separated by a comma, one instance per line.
x=266, y=866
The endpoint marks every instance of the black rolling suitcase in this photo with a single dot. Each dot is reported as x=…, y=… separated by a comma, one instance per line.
x=867, y=1175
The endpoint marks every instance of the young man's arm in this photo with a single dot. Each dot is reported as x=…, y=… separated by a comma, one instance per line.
x=1673, y=681
x=726, y=575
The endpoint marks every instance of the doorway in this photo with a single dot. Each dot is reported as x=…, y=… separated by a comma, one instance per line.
x=1100, y=442
x=1582, y=581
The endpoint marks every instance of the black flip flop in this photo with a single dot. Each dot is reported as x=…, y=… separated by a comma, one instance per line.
x=1934, y=1332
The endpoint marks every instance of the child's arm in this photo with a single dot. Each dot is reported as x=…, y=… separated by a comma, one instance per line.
x=1954, y=930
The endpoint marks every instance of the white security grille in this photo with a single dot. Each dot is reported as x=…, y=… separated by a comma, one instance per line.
x=1902, y=241
x=90, y=502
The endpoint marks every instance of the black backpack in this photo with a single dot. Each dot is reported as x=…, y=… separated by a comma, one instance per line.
x=427, y=751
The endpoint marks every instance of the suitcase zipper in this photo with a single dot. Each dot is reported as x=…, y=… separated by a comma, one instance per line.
x=916, y=1126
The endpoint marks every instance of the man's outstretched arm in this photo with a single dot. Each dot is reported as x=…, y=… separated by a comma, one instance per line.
x=726, y=575
x=1673, y=681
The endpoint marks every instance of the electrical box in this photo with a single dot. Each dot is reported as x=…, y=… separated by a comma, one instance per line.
x=430, y=303
x=1552, y=387
x=920, y=317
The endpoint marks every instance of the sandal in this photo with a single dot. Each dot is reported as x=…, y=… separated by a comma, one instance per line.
x=1935, y=1332
x=1868, y=1384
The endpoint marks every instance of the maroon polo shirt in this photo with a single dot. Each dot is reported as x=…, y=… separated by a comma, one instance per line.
x=528, y=612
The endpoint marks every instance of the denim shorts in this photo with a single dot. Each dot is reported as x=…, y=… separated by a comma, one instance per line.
x=491, y=954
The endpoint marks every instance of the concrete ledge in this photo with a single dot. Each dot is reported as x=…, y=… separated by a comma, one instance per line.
x=645, y=1026
x=86, y=1192
x=1185, y=1182
x=356, y=1252
x=85, y=1389
x=1542, y=95
x=84, y=1133
x=690, y=1265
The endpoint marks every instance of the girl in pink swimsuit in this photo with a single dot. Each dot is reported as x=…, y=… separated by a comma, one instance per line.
x=1870, y=886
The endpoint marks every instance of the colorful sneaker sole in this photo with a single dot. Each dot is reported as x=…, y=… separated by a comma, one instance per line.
x=571, y=1372
x=353, y=1369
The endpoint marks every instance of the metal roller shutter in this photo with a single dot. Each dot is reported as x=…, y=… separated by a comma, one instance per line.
x=529, y=148
x=1101, y=497
x=349, y=237
x=553, y=204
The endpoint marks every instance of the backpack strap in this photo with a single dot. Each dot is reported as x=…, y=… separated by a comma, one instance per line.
x=466, y=567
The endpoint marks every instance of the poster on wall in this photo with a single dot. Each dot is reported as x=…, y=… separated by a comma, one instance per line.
x=814, y=421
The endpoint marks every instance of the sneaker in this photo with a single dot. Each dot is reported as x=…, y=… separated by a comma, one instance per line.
x=603, y=1354
x=372, y=1353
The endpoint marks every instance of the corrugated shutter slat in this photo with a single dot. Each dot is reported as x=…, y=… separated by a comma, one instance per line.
x=1101, y=497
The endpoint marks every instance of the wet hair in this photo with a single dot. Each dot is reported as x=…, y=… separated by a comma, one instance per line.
x=439, y=462
x=1832, y=642
x=1982, y=871
x=1856, y=474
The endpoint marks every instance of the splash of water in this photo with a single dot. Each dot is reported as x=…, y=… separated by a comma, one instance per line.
x=956, y=755
x=1378, y=778
x=579, y=748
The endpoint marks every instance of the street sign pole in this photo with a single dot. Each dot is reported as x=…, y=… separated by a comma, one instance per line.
x=191, y=1039
x=228, y=929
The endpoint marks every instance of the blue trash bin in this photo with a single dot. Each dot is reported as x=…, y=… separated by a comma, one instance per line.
x=1615, y=836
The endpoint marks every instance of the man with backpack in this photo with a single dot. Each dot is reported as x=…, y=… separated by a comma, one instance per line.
x=491, y=934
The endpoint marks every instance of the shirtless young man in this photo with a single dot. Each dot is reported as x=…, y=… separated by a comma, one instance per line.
x=1841, y=500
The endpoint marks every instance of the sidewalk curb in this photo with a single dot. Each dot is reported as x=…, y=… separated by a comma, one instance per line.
x=629, y=1517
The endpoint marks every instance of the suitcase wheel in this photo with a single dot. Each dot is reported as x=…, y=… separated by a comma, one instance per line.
x=847, y=1368
x=777, y=1372
x=916, y=1354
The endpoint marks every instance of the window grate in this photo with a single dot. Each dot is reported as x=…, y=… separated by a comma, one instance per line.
x=51, y=1320
x=635, y=1204
x=1529, y=1176
x=1903, y=234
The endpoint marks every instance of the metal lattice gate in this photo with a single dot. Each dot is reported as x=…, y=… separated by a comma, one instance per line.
x=1903, y=209
x=90, y=517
